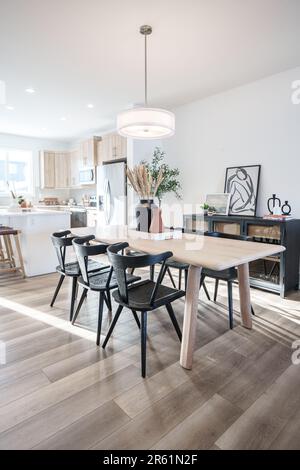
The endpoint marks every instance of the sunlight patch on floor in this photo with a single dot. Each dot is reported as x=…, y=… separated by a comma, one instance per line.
x=51, y=320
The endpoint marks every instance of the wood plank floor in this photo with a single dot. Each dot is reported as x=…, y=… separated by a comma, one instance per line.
x=59, y=391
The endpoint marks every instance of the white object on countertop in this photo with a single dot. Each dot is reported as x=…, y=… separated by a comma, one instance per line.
x=36, y=228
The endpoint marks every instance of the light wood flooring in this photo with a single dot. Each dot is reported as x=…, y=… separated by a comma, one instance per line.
x=59, y=391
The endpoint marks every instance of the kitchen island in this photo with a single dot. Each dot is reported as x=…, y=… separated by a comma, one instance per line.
x=36, y=227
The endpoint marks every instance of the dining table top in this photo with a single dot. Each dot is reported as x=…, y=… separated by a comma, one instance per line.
x=194, y=249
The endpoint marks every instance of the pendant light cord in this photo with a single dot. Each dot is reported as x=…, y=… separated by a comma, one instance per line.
x=146, y=72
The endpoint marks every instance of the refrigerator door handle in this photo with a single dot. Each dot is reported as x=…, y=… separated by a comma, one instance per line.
x=107, y=201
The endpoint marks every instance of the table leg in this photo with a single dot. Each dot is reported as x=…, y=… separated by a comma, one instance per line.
x=190, y=317
x=244, y=288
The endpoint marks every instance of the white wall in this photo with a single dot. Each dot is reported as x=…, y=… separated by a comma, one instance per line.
x=255, y=123
x=34, y=145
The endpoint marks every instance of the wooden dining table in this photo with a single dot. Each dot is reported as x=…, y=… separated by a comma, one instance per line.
x=199, y=252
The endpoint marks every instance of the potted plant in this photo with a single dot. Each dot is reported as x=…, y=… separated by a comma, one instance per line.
x=170, y=182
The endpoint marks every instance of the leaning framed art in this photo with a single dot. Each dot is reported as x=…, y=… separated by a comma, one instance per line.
x=242, y=182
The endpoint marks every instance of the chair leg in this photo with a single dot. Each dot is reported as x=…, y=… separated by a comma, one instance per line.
x=174, y=321
x=179, y=279
x=83, y=296
x=100, y=314
x=171, y=278
x=136, y=318
x=252, y=310
x=143, y=342
x=107, y=299
x=230, y=309
x=202, y=284
x=73, y=296
x=61, y=280
x=216, y=290
x=152, y=268
x=113, y=324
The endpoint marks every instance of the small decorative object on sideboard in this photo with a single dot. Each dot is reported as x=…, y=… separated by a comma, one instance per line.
x=274, y=205
x=286, y=208
x=242, y=182
x=278, y=211
x=218, y=203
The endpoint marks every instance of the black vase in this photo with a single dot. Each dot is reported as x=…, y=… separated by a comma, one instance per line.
x=143, y=212
x=272, y=202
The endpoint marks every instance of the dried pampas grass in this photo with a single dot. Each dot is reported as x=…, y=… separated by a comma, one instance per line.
x=142, y=181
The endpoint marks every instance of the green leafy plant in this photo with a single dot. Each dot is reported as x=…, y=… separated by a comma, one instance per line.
x=170, y=182
x=207, y=207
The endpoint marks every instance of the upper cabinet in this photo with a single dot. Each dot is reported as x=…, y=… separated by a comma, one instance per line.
x=55, y=169
x=62, y=170
x=47, y=169
x=88, y=152
x=112, y=147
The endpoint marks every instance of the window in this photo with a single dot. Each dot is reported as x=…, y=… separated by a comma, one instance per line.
x=16, y=169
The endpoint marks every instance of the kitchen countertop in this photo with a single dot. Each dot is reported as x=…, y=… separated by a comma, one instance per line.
x=10, y=213
x=61, y=206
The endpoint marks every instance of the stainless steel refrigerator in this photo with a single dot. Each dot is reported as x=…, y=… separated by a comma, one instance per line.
x=112, y=193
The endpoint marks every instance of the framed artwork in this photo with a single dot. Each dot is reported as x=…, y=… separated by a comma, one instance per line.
x=219, y=203
x=242, y=182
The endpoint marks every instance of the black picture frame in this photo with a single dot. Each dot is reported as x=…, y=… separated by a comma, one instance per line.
x=243, y=190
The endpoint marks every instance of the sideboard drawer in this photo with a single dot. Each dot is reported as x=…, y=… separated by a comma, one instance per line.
x=264, y=231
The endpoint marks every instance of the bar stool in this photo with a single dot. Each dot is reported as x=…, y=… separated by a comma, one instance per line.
x=7, y=254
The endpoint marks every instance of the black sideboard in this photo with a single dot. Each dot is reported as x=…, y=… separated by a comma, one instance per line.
x=278, y=273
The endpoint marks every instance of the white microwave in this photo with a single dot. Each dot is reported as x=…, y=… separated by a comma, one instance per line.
x=87, y=176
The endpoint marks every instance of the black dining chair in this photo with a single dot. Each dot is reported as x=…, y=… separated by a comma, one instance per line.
x=102, y=281
x=61, y=242
x=228, y=275
x=144, y=296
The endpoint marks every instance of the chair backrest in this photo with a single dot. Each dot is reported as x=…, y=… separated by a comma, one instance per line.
x=61, y=240
x=83, y=250
x=227, y=235
x=122, y=262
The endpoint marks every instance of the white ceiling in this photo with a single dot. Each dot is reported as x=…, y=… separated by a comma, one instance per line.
x=75, y=52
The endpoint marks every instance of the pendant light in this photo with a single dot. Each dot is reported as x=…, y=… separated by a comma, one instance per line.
x=145, y=122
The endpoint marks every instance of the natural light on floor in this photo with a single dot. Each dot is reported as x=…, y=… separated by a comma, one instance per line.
x=48, y=319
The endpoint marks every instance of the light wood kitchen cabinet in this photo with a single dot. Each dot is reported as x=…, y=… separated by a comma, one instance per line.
x=88, y=152
x=62, y=170
x=113, y=146
x=47, y=169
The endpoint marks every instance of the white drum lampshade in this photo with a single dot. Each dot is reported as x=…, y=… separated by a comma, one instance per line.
x=146, y=123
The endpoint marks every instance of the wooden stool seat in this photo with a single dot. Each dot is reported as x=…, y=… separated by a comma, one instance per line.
x=7, y=255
